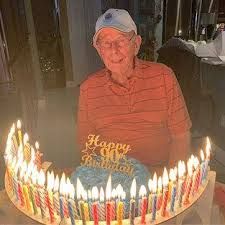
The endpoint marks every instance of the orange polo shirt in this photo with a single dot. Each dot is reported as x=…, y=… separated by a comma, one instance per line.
x=144, y=115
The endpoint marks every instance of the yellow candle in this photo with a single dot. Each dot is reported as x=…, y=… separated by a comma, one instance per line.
x=86, y=209
x=18, y=125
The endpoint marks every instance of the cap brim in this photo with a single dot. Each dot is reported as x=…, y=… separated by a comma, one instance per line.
x=122, y=30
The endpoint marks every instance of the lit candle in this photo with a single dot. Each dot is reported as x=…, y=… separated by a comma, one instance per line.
x=86, y=209
x=26, y=149
x=108, y=201
x=49, y=195
x=56, y=195
x=196, y=176
x=208, y=150
x=159, y=202
x=120, y=205
x=18, y=125
x=80, y=190
x=102, y=204
x=90, y=204
x=34, y=178
x=15, y=168
x=154, y=197
x=202, y=166
x=174, y=188
x=62, y=192
x=71, y=203
x=133, y=191
x=142, y=195
x=26, y=193
x=20, y=186
x=181, y=182
x=165, y=192
x=95, y=196
x=32, y=190
x=113, y=201
x=41, y=192
x=189, y=181
x=38, y=156
x=15, y=143
x=150, y=184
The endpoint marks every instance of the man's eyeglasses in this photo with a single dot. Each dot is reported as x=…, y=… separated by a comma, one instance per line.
x=119, y=42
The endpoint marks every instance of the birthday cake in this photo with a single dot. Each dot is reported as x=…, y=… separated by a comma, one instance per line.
x=108, y=187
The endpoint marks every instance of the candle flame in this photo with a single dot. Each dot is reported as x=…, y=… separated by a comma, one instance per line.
x=71, y=191
x=172, y=175
x=41, y=178
x=84, y=195
x=62, y=184
x=150, y=181
x=133, y=189
x=154, y=183
x=18, y=124
x=202, y=155
x=13, y=128
x=102, y=195
x=34, y=177
x=56, y=184
x=119, y=191
x=160, y=184
x=32, y=154
x=108, y=188
x=165, y=177
x=50, y=178
x=37, y=146
x=208, y=147
x=79, y=189
x=190, y=167
x=123, y=195
x=114, y=193
x=25, y=138
x=95, y=194
x=89, y=194
x=142, y=191
x=196, y=163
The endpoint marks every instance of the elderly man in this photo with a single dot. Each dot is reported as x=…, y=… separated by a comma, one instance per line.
x=133, y=101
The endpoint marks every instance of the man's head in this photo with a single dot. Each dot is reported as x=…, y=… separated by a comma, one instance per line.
x=116, y=40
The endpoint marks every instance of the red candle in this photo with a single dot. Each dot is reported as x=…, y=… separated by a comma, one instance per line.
x=95, y=209
x=165, y=192
x=49, y=196
x=108, y=212
x=20, y=194
x=95, y=213
x=144, y=203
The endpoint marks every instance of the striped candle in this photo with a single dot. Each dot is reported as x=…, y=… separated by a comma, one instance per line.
x=56, y=195
x=165, y=192
x=42, y=193
x=144, y=203
x=102, y=205
x=95, y=208
x=154, y=198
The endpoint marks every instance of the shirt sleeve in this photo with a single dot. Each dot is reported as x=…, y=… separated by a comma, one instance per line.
x=178, y=117
x=84, y=126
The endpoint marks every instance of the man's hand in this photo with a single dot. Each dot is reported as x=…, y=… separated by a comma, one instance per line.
x=180, y=148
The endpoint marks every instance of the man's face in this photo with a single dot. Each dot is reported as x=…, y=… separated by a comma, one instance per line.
x=117, y=49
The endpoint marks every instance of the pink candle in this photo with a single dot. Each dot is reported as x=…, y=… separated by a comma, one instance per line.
x=165, y=192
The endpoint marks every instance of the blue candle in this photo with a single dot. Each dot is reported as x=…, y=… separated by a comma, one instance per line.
x=154, y=197
x=174, y=192
x=61, y=207
x=71, y=211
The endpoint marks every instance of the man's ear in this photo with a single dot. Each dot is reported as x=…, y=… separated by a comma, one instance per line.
x=137, y=43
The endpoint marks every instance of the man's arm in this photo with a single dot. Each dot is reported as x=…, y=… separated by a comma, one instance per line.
x=179, y=122
x=180, y=148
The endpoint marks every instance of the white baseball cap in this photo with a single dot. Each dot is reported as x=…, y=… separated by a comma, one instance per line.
x=118, y=19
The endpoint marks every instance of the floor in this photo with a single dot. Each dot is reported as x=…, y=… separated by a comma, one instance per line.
x=56, y=128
